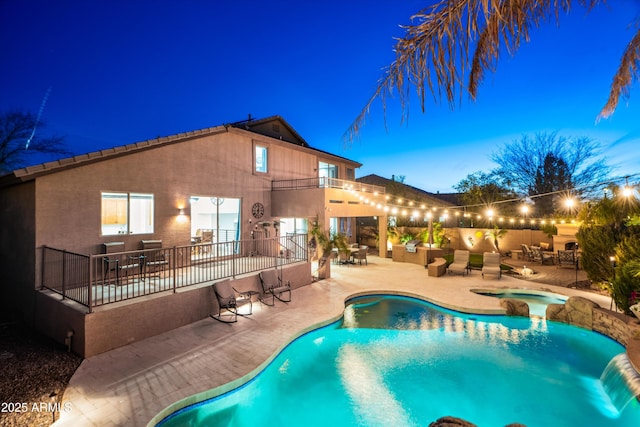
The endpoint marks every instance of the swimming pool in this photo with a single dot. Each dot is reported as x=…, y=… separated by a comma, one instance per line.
x=404, y=362
x=536, y=300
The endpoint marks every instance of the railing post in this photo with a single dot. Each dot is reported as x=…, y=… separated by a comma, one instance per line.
x=90, y=281
x=64, y=274
x=42, y=267
x=234, y=261
x=174, y=255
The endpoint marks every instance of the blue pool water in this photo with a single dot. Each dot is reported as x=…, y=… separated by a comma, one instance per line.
x=403, y=362
x=537, y=302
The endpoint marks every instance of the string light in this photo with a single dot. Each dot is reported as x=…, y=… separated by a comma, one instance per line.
x=570, y=203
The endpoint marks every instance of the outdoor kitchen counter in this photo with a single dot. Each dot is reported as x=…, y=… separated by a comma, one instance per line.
x=400, y=254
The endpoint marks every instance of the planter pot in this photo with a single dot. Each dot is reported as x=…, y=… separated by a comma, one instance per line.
x=324, y=268
x=635, y=309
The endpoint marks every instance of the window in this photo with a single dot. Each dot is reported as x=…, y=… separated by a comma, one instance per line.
x=261, y=159
x=351, y=174
x=327, y=170
x=127, y=213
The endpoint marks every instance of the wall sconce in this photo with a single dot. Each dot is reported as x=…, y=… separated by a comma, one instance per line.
x=182, y=216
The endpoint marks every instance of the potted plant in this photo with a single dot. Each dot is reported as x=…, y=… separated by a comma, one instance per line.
x=325, y=242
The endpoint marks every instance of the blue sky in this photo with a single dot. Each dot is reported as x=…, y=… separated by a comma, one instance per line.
x=126, y=71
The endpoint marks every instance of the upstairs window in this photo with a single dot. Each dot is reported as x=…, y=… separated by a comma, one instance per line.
x=261, y=159
x=126, y=213
x=351, y=174
x=327, y=170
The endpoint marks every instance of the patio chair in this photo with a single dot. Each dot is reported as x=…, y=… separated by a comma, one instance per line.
x=344, y=257
x=272, y=286
x=231, y=300
x=566, y=258
x=127, y=267
x=460, y=262
x=538, y=255
x=361, y=254
x=491, y=264
x=527, y=255
x=155, y=258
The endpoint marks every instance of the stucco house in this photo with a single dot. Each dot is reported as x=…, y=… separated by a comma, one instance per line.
x=110, y=247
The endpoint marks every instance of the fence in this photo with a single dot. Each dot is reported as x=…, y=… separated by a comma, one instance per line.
x=96, y=280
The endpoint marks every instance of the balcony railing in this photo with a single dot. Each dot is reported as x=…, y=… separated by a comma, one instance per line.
x=96, y=280
x=325, y=182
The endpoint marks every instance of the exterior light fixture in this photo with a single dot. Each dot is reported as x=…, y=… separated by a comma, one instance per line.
x=626, y=191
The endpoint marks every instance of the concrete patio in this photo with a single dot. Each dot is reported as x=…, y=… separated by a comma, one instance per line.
x=132, y=384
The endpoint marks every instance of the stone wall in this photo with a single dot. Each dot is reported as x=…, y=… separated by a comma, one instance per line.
x=584, y=313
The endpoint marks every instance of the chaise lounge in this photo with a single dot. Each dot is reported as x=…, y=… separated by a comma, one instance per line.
x=460, y=262
x=491, y=264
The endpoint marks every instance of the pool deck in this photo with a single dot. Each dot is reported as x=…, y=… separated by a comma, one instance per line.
x=132, y=384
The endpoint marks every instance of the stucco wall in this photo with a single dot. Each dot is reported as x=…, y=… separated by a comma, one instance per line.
x=18, y=254
x=473, y=239
x=69, y=204
x=120, y=324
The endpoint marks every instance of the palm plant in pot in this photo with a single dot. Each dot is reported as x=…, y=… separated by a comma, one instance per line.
x=326, y=242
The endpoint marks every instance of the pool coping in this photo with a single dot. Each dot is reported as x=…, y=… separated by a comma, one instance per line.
x=137, y=384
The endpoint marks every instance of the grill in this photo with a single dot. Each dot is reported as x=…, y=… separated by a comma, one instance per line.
x=412, y=245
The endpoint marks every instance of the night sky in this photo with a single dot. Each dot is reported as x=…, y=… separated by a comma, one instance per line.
x=119, y=72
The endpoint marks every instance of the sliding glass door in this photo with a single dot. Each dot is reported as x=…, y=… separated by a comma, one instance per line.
x=215, y=220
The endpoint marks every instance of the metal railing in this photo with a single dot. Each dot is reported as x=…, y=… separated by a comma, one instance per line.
x=325, y=182
x=66, y=273
x=97, y=280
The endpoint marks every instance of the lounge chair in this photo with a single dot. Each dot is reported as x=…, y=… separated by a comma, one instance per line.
x=491, y=264
x=460, y=262
x=231, y=300
x=272, y=285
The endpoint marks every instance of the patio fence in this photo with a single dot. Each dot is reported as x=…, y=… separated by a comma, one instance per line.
x=96, y=280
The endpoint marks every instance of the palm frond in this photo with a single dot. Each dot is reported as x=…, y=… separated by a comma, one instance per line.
x=434, y=55
x=628, y=71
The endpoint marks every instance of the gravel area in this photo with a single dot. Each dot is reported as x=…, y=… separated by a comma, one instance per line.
x=34, y=371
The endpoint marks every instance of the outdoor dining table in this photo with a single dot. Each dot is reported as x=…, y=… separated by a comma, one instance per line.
x=352, y=252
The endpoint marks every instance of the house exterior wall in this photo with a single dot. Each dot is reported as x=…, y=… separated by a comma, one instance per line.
x=68, y=211
x=106, y=329
x=18, y=254
x=60, y=206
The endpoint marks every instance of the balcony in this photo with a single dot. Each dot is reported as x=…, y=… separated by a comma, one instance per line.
x=103, y=279
x=326, y=182
x=335, y=197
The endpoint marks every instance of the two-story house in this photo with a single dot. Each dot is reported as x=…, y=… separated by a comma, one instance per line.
x=110, y=247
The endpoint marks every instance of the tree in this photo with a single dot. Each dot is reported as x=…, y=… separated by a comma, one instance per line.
x=610, y=228
x=495, y=234
x=549, y=165
x=483, y=189
x=438, y=51
x=19, y=141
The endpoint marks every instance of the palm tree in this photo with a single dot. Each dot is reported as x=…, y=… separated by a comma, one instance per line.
x=495, y=234
x=434, y=54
